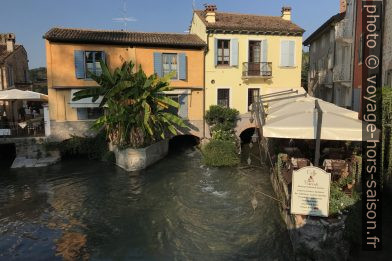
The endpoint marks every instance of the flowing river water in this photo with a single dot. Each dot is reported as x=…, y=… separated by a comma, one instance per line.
x=177, y=209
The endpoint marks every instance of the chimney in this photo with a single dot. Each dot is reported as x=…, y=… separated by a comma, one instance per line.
x=210, y=11
x=343, y=6
x=10, y=41
x=286, y=13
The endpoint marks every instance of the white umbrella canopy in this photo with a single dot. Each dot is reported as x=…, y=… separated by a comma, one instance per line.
x=303, y=125
x=306, y=104
x=16, y=94
x=297, y=119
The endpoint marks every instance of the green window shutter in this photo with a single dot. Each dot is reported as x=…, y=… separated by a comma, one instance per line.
x=216, y=52
x=79, y=64
x=291, y=53
x=158, y=64
x=234, y=52
x=182, y=66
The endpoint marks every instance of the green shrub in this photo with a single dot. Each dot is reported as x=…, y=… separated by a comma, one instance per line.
x=219, y=153
x=339, y=201
x=225, y=135
x=90, y=147
x=221, y=118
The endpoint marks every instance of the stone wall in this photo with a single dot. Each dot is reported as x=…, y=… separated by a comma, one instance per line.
x=138, y=159
x=32, y=152
x=387, y=41
x=60, y=131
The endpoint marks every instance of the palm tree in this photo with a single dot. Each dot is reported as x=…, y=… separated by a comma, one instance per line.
x=136, y=108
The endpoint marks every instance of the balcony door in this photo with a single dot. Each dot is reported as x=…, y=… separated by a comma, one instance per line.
x=254, y=58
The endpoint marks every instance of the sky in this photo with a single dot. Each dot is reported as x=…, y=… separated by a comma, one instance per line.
x=31, y=19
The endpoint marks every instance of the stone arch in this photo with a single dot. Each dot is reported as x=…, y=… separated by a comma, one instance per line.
x=244, y=123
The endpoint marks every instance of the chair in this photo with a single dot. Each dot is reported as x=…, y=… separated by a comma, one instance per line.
x=338, y=166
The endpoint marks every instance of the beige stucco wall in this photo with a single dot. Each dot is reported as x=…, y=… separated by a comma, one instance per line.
x=194, y=80
x=62, y=78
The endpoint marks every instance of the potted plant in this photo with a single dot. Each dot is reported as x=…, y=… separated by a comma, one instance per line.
x=136, y=114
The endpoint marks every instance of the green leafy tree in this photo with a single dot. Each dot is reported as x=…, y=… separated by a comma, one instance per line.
x=136, y=108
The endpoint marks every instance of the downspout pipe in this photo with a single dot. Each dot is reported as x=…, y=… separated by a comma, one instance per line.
x=204, y=85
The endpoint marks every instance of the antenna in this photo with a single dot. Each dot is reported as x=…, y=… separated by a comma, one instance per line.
x=193, y=5
x=124, y=18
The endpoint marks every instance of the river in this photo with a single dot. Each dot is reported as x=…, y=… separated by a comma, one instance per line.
x=177, y=209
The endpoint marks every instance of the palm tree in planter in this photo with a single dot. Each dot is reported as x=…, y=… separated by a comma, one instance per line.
x=136, y=108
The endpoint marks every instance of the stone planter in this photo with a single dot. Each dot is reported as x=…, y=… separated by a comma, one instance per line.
x=137, y=159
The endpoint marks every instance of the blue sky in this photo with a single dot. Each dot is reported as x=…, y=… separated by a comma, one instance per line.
x=30, y=19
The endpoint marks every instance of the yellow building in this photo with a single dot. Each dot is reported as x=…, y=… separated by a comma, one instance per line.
x=71, y=52
x=248, y=55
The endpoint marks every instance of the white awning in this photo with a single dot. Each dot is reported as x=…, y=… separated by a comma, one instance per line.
x=16, y=94
x=297, y=119
x=83, y=103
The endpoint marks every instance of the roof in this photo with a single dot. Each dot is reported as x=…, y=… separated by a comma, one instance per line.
x=123, y=38
x=251, y=23
x=4, y=53
x=334, y=19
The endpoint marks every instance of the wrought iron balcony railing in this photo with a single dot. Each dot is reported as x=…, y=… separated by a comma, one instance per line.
x=257, y=70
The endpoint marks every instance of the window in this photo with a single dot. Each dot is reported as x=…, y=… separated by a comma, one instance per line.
x=170, y=64
x=93, y=62
x=89, y=113
x=287, y=53
x=252, y=95
x=360, y=50
x=223, y=52
x=176, y=98
x=10, y=76
x=224, y=97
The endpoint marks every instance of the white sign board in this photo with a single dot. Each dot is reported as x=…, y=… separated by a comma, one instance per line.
x=310, y=192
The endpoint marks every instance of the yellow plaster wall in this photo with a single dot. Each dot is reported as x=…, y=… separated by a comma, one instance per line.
x=231, y=77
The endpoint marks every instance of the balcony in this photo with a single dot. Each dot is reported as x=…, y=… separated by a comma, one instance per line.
x=257, y=70
x=344, y=31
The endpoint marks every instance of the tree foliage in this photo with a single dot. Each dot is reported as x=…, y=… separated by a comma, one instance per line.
x=218, y=117
x=136, y=108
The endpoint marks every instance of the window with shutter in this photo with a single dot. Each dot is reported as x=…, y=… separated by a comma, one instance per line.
x=87, y=62
x=223, y=52
x=170, y=64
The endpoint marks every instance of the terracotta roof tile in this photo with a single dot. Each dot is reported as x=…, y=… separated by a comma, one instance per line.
x=250, y=23
x=124, y=37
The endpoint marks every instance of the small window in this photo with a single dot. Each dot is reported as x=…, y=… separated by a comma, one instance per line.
x=252, y=95
x=93, y=62
x=170, y=64
x=224, y=97
x=223, y=52
x=89, y=113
